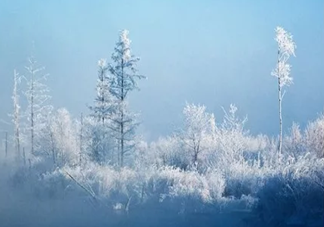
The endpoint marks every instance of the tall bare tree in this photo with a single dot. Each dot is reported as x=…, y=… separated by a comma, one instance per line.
x=38, y=110
x=16, y=115
x=286, y=48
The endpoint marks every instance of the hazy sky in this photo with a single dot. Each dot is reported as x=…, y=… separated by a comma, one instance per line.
x=208, y=52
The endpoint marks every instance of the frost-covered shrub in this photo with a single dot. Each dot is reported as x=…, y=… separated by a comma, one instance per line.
x=244, y=179
x=197, y=133
x=42, y=185
x=234, y=171
x=111, y=185
x=230, y=142
x=64, y=139
x=100, y=180
x=293, y=192
x=281, y=199
x=314, y=136
x=169, y=152
x=294, y=143
x=52, y=185
x=191, y=184
x=216, y=184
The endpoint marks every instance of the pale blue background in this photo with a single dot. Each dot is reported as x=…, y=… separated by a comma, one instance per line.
x=209, y=52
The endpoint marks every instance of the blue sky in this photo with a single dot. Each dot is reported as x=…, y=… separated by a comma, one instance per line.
x=208, y=52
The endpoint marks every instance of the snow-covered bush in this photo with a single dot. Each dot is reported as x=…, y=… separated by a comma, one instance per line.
x=314, y=135
x=191, y=184
x=231, y=139
x=168, y=152
x=294, y=143
x=197, y=133
x=293, y=192
x=64, y=138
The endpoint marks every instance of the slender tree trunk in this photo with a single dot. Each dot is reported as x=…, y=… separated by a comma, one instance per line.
x=122, y=144
x=280, y=110
x=280, y=117
x=102, y=100
x=195, y=158
x=18, y=145
x=29, y=162
x=24, y=156
x=122, y=117
x=32, y=115
x=122, y=139
x=195, y=151
x=16, y=118
x=118, y=153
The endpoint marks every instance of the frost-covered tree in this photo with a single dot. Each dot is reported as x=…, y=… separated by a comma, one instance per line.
x=64, y=136
x=198, y=126
x=124, y=76
x=38, y=109
x=286, y=48
x=16, y=115
x=104, y=103
x=231, y=137
x=102, y=113
x=86, y=128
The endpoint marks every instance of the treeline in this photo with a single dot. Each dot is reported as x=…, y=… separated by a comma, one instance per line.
x=100, y=155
